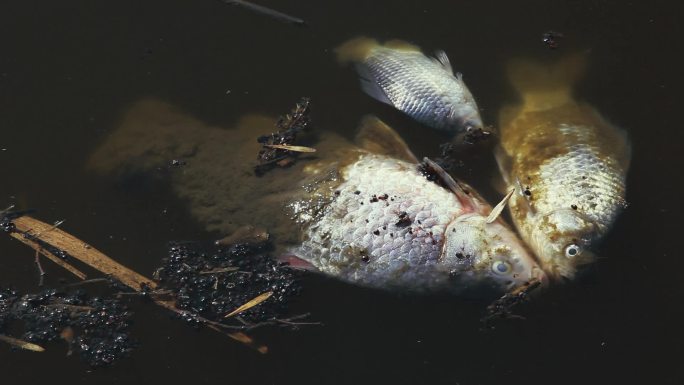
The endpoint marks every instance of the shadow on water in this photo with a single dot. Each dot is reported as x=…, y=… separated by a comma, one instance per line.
x=71, y=69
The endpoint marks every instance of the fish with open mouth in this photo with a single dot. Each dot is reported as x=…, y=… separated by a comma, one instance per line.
x=367, y=212
x=566, y=163
x=425, y=88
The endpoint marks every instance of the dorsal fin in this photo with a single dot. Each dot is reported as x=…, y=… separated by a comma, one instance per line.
x=378, y=138
x=442, y=58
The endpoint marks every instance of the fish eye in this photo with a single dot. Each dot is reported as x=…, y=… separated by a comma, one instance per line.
x=572, y=250
x=501, y=267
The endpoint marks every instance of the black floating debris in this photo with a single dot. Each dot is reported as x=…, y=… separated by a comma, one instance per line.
x=211, y=282
x=552, y=39
x=177, y=163
x=274, y=152
x=94, y=327
x=503, y=307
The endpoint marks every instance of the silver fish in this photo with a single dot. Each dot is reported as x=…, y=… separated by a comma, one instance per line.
x=566, y=162
x=424, y=88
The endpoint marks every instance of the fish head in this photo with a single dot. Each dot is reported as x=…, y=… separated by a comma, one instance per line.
x=466, y=118
x=562, y=239
x=488, y=253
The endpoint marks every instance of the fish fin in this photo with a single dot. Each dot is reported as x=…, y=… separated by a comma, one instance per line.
x=496, y=211
x=442, y=59
x=504, y=161
x=378, y=138
x=542, y=86
x=401, y=45
x=295, y=262
x=370, y=86
x=355, y=50
x=463, y=195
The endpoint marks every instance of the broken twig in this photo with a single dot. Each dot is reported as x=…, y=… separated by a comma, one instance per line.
x=250, y=304
x=266, y=11
x=21, y=343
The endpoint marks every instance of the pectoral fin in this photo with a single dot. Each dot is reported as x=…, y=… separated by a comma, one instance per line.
x=378, y=138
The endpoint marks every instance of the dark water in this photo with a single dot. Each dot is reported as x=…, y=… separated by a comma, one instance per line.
x=69, y=69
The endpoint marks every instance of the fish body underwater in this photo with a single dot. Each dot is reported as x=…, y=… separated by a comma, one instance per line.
x=399, y=74
x=567, y=164
x=363, y=212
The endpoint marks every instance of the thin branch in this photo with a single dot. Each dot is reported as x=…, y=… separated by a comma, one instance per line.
x=266, y=11
x=21, y=343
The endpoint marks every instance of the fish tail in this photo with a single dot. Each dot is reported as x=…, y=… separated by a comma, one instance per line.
x=355, y=50
x=544, y=86
x=401, y=45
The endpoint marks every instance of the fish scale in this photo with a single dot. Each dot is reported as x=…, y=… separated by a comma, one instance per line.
x=369, y=226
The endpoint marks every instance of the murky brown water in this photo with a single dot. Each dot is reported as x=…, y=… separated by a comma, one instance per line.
x=70, y=69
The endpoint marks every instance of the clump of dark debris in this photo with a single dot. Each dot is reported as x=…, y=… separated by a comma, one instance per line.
x=211, y=282
x=274, y=150
x=503, y=307
x=552, y=39
x=94, y=327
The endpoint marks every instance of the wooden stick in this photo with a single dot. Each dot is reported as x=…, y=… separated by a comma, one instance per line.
x=77, y=249
x=49, y=255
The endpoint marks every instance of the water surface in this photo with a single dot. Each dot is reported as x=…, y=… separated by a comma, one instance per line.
x=69, y=69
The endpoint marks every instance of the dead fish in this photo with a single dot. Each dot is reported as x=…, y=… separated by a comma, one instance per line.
x=566, y=162
x=363, y=212
x=388, y=225
x=399, y=74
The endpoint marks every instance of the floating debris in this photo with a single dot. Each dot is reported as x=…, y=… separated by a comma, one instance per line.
x=278, y=148
x=552, y=39
x=503, y=307
x=97, y=328
x=256, y=273
x=215, y=283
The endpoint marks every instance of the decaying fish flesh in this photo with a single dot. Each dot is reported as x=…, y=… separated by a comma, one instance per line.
x=363, y=212
x=399, y=74
x=566, y=163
